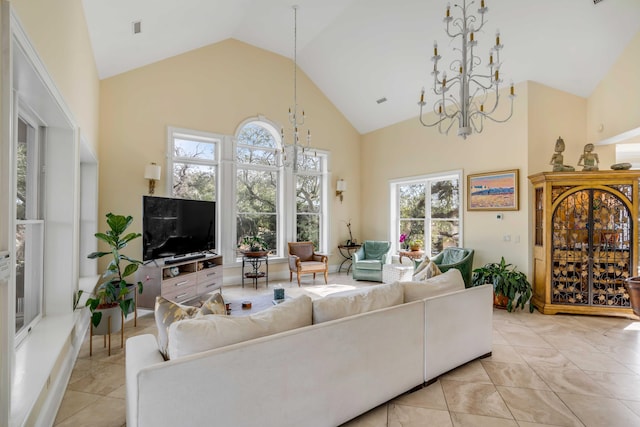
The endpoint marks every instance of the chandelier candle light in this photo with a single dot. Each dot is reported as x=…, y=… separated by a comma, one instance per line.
x=295, y=119
x=474, y=88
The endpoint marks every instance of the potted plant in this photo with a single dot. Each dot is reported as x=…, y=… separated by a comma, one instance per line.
x=111, y=289
x=253, y=246
x=509, y=285
x=415, y=244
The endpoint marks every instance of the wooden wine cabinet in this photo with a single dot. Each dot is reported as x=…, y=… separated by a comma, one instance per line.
x=585, y=241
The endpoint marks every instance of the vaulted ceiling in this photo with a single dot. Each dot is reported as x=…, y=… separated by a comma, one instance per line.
x=357, y=51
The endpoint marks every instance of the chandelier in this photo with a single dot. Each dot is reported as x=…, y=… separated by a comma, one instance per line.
x=473, y=86
x=295, y=147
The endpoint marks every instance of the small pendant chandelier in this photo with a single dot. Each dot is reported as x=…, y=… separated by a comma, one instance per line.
x=470, y=108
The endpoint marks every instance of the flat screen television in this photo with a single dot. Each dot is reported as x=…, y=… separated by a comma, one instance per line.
x=177, y=227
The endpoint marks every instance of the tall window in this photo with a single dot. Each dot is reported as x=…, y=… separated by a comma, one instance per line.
x=428, y=208
x=194, y=164
x=29, y=229
x=310, y=185
x=258, y=183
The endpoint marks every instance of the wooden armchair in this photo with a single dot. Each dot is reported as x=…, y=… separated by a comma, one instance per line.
x=303, y=260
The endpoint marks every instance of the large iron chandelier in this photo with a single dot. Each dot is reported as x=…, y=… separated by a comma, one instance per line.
x=474, y=87
x=295, y=147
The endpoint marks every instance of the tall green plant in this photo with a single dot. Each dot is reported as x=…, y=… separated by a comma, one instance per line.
x=507, y=281
x=112, y=286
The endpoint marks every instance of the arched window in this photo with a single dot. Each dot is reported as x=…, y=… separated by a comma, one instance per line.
x=258, y=183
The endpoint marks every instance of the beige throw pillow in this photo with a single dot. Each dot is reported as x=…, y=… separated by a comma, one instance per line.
x=191, y=336
x=425, y=262
x=445, y=283
x=362, y=300
x=431, y=270
x=167, y=312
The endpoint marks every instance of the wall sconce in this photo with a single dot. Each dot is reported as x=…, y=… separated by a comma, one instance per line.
x=341, y=187
x=152, y=173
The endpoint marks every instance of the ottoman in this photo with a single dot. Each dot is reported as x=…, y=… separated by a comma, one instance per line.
x=396, y=273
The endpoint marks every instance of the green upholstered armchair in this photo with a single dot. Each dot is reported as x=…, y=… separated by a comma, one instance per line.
x=369, y=259
x=458, y=258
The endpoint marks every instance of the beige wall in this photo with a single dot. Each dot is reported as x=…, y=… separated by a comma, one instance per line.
x=213, y=89
x=615, y=104
x=409, y=149
x=526, y=142
x=58, y=31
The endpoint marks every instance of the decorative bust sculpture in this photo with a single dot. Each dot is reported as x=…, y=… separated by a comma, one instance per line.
x=557, y=159
x=589, y=160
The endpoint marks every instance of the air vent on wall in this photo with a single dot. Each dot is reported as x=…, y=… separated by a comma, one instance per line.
x=381, y=100
x=596, y=1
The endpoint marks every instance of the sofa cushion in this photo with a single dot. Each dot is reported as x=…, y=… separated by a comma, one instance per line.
x=369, y=264
x=444, y=283
x=167, y=312
x=208, y=332
x=362, y=300
x=431, y=270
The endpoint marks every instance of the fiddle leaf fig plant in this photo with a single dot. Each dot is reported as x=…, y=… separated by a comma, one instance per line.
x=507, y=281
x=111, y=288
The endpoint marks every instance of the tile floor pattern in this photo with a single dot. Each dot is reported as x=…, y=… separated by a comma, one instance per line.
x=557, y=370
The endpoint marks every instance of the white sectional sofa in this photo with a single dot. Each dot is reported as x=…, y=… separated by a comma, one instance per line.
x=323, y=374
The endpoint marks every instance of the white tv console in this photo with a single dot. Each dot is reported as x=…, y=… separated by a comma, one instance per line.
x=196, y=277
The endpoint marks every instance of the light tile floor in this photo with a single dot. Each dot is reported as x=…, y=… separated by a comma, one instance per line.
x=557, y=370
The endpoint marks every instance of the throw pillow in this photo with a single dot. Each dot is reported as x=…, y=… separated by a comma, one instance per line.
x=356, y=301
x=425, y=262
x=214, y=305
x=167, y=312
x=208, y=332
x=445, y=283
x=431, y=270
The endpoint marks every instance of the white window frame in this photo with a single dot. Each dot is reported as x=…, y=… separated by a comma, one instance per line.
x=323, y=215
x=174, y=133
x=34, y=219
x=394, y=206
x=282, y=205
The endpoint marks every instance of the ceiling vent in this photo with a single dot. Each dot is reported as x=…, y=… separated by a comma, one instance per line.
x=381, y=100
x=137, y=27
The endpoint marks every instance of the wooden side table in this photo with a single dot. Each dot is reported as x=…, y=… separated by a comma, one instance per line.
x=413, y=255
x=347, y=251
x=255, y=272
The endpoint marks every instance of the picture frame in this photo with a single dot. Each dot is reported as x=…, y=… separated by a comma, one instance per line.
x=493, y=191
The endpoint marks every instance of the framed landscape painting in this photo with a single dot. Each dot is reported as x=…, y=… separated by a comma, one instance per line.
x=493, y=191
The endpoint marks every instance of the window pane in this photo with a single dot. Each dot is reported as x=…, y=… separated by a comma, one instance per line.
x=308, y=229
x=257, y=156
x=28, y=273
x=308, y=161
x=308, y=193
x=444, y=199
x=194, y=181
x=257, y=136
x=256, y=191
x=194, y=149
x=21, y=194
x=262, y=225
x=413, y=229
x=444, y=233
x=412, y=201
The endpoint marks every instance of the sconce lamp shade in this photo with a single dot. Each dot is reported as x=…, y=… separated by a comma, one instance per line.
x=341, y=187
x=152, y=171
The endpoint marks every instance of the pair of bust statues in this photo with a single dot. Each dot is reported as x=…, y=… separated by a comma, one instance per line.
x=588, y=159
